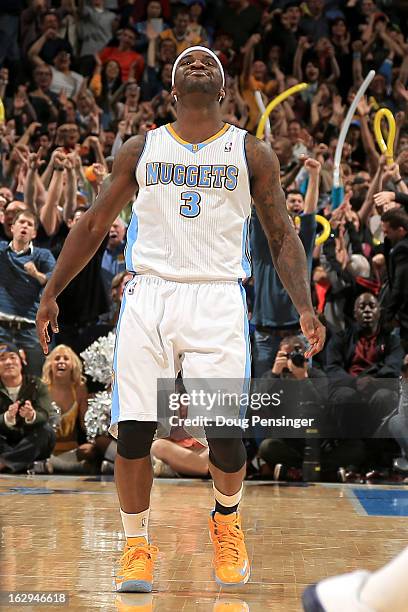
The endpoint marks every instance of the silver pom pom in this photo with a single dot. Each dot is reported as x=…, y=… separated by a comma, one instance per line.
x=97, y=417
x=98, y=359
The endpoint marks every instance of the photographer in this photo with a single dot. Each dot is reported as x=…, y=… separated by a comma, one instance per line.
x=290, y=364
x=25, y=434
x=308, y=393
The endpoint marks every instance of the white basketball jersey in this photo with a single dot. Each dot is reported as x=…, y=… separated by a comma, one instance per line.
x=190, y=220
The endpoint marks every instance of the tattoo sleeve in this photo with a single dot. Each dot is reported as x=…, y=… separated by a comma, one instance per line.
x=287, y=251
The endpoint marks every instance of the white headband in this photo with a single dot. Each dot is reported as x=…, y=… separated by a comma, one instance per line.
x=197, y=48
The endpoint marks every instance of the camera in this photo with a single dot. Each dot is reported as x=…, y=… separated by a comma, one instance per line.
x=297, y=357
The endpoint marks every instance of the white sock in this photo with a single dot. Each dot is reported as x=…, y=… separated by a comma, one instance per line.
x=386, y=590
x=228, y=501
x=135, y=525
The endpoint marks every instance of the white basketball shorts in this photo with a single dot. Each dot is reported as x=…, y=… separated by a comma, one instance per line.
x=166, y=327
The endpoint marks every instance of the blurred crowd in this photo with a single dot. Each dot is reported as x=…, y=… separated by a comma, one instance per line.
x=80, y=77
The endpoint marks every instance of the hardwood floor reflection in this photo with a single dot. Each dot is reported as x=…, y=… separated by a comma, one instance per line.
x=64, y=534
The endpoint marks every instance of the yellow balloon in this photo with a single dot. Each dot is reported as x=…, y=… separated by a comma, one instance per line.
x=2, y=112
x=323, y=236
x=385, y=147
x=274, y=103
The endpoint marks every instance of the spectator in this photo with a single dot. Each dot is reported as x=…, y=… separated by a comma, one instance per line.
x=274, y=315
x=25, y=435
x=78, y=317
x=398, y=424
x=395, y=228
x=151, y=27
x=314, y=23
x=49, y=44
x=359, y=359
x=308, y=399
x=179, y=455
x=240, y=19
x=62, y=374
x=113, y=260
x=44, y=101
x=105, y=85
x=181, y=34
x=128, y=59
x=97, y=25
x=24, y=270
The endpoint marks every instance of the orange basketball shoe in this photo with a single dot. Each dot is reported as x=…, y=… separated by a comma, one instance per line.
x=136, y=567
x=231, y=564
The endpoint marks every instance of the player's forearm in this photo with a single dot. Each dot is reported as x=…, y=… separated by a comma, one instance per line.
x=80, y=246
x=289, y=259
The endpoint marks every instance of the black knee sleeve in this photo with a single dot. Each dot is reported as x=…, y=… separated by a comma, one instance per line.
x=227, y=454
x=135, y=438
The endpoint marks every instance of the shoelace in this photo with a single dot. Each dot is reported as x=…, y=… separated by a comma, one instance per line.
x=228, y=539
x=135, y=557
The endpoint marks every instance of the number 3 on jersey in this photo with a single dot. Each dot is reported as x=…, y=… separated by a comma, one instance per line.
x=192, y=207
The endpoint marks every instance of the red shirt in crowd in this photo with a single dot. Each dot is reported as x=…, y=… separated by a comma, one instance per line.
x=365, y=354
x=125, y=60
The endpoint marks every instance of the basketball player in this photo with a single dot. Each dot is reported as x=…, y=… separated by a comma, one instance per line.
x=187, y=244
x=385, y=590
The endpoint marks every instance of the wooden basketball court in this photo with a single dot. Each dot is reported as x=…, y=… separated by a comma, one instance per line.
x=64, y=534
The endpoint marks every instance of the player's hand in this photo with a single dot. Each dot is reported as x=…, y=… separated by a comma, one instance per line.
x=314, y=331
x=47, y=315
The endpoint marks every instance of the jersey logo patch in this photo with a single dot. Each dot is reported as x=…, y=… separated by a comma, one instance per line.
x=228, y=147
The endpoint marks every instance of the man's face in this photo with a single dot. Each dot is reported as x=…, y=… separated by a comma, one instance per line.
x=10, y=364
x=62, y=61
x=295, y=203
x=378, y=85
x=403, y=162
x=117, y=233
x=198, y=72
x=394, y=235
x=181, y=23
x=6, y=193
x=43, y=77
x=50, y=22
x=68, y=135
x=97, y=3
x=315, y=6
x=23, y=229
x=85, y=104
x=12, y=209
x=258, y=70
x=367, y=311
x=223, y=43
x=283, y=150
x=127, y=39
x=403, y=142
x=154, y=10
x=293, y=14
x=168, y=51
x=109, y=139
x=294, y=131
x=368, y=7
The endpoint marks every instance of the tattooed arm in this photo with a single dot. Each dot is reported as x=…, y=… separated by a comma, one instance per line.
x=287, y=251
x=88, y=233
